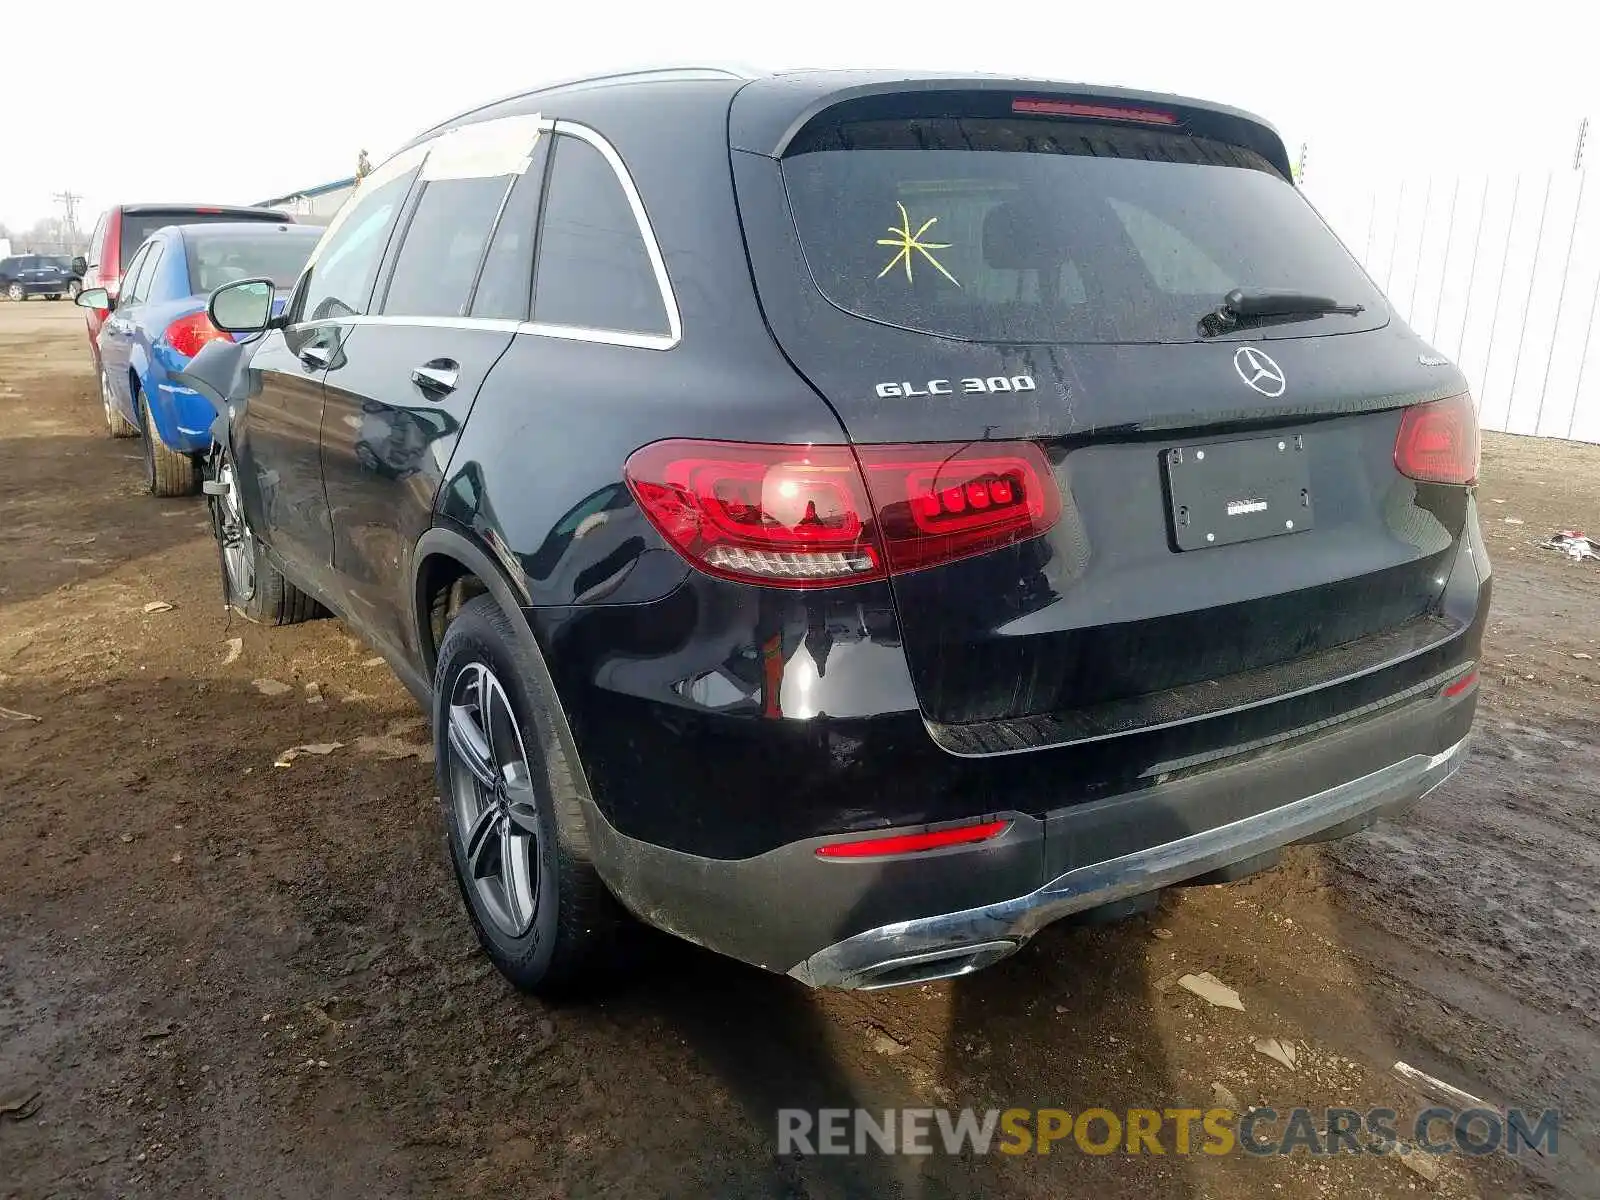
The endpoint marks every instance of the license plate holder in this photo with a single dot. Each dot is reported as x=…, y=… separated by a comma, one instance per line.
x=1224, y=493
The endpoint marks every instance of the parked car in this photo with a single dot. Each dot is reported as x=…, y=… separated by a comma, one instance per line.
x=121, y=230
x=852, y=520
x=69, y=267
x=25, y=275
x=159, y=323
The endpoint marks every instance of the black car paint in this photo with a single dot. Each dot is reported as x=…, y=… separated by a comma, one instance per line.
x=723, y=720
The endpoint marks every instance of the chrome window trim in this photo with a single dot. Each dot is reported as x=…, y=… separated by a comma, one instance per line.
x=658, y=264
x=574, y=333
x=609, y=337
x=503, y=325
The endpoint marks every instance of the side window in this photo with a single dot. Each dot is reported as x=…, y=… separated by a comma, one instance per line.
x=130, y=277
x=92, y=255
x=594, y=271
x=443, y=246
x=147, y=273
x=346, y=262
x=1176, y=265
x=507, y=279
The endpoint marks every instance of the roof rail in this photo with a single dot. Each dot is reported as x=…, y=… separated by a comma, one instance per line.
x=640, y=74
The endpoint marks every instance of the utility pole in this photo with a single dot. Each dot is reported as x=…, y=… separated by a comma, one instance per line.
x=1300, y=165
x=1583, y=136
x=68, y=200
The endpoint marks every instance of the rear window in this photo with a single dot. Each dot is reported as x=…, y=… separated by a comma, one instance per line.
x=1029, y=230
x=274, y=254
x=136, y=226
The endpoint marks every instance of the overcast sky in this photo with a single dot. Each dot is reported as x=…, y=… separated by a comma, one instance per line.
x=177, y=99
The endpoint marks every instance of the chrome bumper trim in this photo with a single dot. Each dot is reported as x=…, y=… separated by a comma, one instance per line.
x=855, y=961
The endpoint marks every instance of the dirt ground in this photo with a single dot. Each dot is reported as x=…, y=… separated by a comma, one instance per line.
x=222, y=978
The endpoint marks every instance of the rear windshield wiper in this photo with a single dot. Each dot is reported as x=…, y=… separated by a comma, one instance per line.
x=1240, y=306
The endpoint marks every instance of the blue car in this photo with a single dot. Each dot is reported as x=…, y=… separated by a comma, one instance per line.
x=158, y=323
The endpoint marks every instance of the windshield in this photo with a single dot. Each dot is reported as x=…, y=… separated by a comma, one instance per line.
x=275, y=253
x=1051, y=231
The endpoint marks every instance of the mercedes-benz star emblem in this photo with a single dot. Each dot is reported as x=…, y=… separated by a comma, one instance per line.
x=1258, y=370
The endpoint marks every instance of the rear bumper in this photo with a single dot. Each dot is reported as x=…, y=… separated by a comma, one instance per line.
x=956, y=943
x=876, y=922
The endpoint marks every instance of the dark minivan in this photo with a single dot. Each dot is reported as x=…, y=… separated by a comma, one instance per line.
x=852, y=520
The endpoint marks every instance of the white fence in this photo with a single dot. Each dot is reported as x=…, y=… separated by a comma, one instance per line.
x=1501, y=273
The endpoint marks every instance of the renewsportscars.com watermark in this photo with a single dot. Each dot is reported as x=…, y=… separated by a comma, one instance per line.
x=1215, y=1131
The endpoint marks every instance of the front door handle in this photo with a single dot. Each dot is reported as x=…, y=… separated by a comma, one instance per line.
x=316, y=357
x=437, y=378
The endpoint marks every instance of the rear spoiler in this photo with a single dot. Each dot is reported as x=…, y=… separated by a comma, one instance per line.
x=769, y=114
x=243, y=212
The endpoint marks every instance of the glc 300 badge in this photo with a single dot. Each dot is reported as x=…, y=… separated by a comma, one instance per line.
x=948, y=387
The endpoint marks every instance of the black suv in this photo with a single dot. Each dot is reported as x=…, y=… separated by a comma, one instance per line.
x=852, y=520
x=25, y=275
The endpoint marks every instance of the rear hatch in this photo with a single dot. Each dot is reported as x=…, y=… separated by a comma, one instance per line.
x=1019, y=265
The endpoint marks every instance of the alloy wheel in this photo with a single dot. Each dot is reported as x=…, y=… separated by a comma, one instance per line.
x=15, y=292
x=496, y=808
x=233, y=532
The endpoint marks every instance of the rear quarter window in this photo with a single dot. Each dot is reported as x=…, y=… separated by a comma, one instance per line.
x=594, y=269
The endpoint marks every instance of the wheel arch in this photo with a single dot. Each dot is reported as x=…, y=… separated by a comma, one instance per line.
x=444, y=555
x=137, y=386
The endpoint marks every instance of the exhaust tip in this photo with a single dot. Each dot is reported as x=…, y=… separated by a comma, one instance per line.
x=945, y=963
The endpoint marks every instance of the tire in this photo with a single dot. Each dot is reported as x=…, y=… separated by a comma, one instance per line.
x=251, y=585
x=117, y=425
x=55, y=295
x=15, y=292
x=546, y=921
x=167, y=472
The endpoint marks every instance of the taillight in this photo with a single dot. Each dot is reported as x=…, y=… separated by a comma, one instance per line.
x=791, y=515
x=188, y=334
x=1438, y=442
x=938, y=503
x=817, y=516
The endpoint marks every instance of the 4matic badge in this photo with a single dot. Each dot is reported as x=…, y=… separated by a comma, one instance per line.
x=949, y=387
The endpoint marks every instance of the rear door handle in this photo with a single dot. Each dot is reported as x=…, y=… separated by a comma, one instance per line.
x=437, y=378
x=316, y=357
